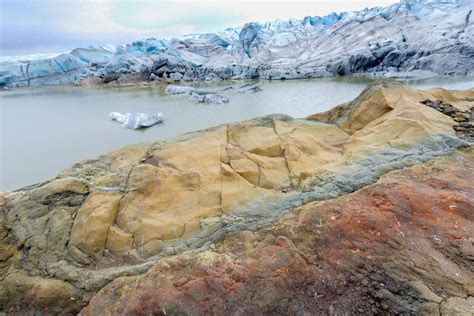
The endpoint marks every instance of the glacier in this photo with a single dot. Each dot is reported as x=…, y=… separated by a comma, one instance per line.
x=411, y=37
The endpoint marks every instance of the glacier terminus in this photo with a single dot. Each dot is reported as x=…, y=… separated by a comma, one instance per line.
x=410, y=38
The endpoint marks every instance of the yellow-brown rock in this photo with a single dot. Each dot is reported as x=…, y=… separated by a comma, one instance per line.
x=92, y=222
x=118, y=241
x=402, y=246
x=247, y=169
x=115, y=216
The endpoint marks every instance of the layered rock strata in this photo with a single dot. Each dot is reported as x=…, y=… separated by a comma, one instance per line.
x=465, y=118
x=143, y=206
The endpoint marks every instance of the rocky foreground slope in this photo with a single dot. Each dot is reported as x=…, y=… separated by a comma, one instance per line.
x=427, y=36
x=272, y=215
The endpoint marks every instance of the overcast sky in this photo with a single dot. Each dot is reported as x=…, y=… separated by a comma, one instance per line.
x=49, y=26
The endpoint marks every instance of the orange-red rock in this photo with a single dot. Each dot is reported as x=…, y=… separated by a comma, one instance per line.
x=388, y=248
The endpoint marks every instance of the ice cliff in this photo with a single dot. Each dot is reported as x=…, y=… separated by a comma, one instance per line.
x=429, y=36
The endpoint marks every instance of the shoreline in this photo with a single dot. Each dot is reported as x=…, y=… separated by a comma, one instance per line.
x=131, y=82
x=159, y=87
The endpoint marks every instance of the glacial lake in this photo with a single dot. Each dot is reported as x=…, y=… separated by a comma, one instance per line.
x=45, y=130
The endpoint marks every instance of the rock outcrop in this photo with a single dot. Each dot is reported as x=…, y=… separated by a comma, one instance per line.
x=409, y=38
x=400, y=246
x=262, y=191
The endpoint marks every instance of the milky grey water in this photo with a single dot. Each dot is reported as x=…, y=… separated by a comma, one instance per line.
x=44, y=131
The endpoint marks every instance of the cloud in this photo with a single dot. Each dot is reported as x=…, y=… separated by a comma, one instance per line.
x=149, y=14
x=28, y=26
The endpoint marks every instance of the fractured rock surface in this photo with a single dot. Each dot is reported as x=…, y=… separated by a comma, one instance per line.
x=400, y=246
x=115, y=217
x=465, y=118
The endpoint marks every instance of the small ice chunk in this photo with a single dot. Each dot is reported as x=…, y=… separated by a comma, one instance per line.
x=208, y=98
x=137, y=120
x=172, y=89
x=247, y=88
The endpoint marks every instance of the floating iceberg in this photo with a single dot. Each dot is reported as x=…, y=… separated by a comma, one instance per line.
x=171, y=89
x=211, y=96
x=208, y=98
x=246, y=88
x=137, y=120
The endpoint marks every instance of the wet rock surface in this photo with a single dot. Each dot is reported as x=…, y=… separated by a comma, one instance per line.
x=189, y=201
